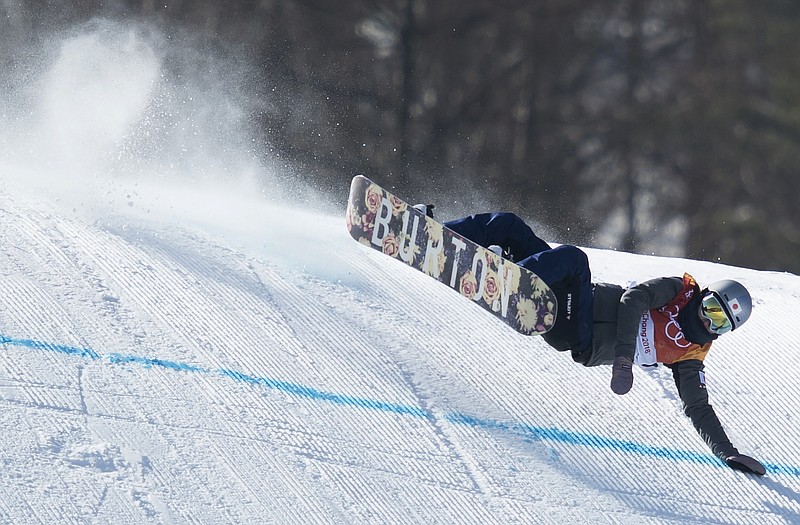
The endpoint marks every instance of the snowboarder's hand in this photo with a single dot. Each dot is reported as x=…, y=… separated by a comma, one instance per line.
x=622, y=375
x=745, y=464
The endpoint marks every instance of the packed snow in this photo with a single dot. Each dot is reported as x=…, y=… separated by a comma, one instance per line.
x=179, y=350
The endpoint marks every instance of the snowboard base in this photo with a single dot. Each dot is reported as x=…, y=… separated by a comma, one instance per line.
x=383, y=222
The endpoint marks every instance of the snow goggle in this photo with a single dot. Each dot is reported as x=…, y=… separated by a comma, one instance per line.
x=711, y=308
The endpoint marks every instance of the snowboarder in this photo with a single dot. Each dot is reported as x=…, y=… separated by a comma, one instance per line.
x=668, y=320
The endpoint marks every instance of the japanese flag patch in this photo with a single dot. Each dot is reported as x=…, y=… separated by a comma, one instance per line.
x=734, y=307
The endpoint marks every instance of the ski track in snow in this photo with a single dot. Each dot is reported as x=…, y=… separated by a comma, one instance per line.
x=154, y=373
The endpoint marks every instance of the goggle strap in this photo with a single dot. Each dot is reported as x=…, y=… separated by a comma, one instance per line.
x=725, y=309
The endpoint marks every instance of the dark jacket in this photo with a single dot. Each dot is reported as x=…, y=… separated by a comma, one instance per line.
x=616, y=314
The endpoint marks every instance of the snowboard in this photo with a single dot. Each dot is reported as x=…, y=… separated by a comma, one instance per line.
x=381, y=221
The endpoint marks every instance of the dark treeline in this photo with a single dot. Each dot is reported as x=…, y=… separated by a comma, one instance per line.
x=656, y=126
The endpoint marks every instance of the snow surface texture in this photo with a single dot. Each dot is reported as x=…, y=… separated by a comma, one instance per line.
x=175, y=352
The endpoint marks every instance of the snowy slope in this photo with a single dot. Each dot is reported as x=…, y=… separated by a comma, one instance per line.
x=163, y=365
x=176, y=349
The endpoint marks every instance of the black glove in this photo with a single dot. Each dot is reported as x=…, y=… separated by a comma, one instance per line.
x=622, y=375
x=745, y=464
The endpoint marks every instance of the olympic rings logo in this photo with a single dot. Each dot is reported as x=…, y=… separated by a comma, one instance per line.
x=673, y=330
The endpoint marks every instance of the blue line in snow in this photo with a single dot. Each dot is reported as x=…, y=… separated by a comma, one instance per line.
x=38, y=345
x=551, y=434
x=312, y=393
x=587, y=440
x=148, y=363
